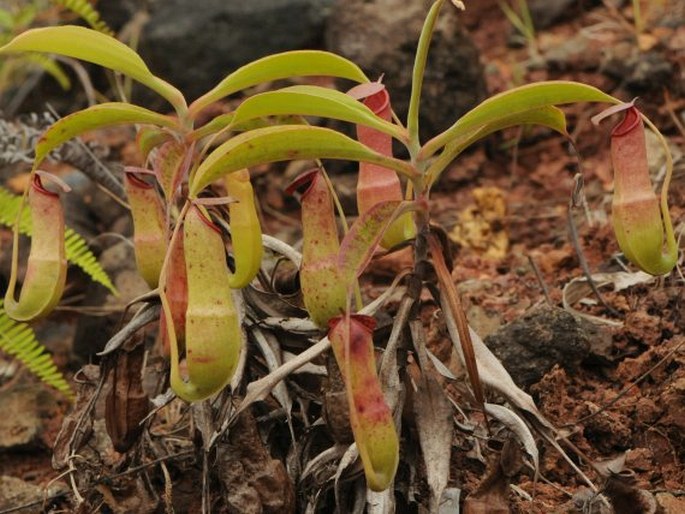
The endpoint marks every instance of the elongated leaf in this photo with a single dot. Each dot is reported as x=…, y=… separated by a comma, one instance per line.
x=517, y=100
x=418, y=72
x=284, y=143
x=93, y=46
x=95, y=117
x=548, y=116
x=314, y=101
x=364, y=236
x=433, y=420
x=280, y=66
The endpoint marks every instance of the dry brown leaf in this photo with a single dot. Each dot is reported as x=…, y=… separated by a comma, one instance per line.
x=433, y=421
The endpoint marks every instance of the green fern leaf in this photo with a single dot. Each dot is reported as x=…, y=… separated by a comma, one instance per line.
x=87, y=12
x=19, y=341
x=77, y=249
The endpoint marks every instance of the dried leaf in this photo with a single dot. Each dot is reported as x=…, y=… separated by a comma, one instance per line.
x=492, y=494
x=273, y=361
x=514, y=423
x=433, y=421
x=579, y=288
x=492, y=372
x=126, y=403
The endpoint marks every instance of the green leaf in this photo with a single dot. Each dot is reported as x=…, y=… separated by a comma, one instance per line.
x=19, y=341
x=363, y=238
x=286, y=143
x=93, y=46
x=419, y=70
x=77, y=251
x=547, y=116
x=516, y=101
x=300, y=63
x=97, y=116
x=314, y=101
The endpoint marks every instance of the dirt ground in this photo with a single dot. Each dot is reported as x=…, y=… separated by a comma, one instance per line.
x=504, y=206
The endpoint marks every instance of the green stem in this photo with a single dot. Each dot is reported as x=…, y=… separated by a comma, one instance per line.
x=419, y=69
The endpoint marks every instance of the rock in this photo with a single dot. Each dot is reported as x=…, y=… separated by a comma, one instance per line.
x=670, y=504
x=381, y=37
x=578, y=53
x=29, y=405
x=254, y=482
x=639, y=72
x=194, y=48
x=15, y=492
x=117, y=13
x=547, y=12
x=93, y=332
x=530, y=346
x=587, y=500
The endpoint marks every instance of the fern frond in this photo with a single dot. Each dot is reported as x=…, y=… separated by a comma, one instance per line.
x=19, y=341
x=86, y=11
x=77, y=250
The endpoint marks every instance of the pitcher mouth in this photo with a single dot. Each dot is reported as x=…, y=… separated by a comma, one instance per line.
x=303, y=183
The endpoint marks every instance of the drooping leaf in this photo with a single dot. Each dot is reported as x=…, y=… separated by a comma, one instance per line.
x=95, y=117
x=93, y=46
x=547, y=116
x=433, y=420
x=18, y=340
x=314, y=101
x=363, y=238
x=516, y=101
x=296, y=63
x=284, y=143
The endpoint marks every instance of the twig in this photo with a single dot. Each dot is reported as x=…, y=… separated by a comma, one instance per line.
x=577, y=200
x=541, y=280
x=102, y=480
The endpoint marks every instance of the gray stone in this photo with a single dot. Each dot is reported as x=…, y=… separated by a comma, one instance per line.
x=530, y=346
x=28, y=406
x=637, y=71
x=195, y=44
x=93, y=332
x=547, y=12
x=381, y=37
x=15, y=492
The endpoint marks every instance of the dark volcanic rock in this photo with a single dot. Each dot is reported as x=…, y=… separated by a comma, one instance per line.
x=381, y=37
x=530, y=346
x=195, y=44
